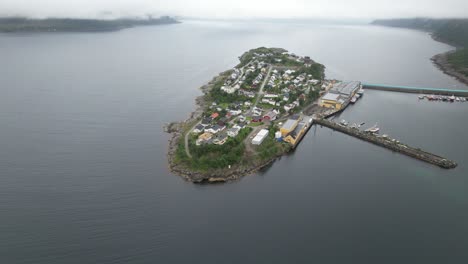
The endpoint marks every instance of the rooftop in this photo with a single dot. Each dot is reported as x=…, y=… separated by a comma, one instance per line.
x=331, y=96
x=346, y=88
x=289, y=125
x=262, y=132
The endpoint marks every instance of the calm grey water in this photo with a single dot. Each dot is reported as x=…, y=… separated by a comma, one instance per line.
x=83, y=171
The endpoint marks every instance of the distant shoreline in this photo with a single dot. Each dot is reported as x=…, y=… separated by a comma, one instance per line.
x=441, y=61
x=452, y=32
x=27, y=25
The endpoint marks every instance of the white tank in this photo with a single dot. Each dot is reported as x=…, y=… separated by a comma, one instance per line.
x=278, y=134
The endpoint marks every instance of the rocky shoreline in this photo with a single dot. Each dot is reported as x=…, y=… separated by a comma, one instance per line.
x=214, y=176
x=441, y=61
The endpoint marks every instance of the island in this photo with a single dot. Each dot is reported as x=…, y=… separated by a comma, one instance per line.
x=247, y=117
x=261, y=109
x=450, y=31
x=21, y=24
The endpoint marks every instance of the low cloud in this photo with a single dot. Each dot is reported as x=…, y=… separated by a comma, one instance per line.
x=341, y=9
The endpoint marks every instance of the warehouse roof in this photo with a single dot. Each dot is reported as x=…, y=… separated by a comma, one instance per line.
x=289, y=125
x=346, y=88
x=333, y=97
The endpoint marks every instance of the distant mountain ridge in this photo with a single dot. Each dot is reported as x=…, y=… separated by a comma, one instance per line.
x=20, y=24
x=450, y=31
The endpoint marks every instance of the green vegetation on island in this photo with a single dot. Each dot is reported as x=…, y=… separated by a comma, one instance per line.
x=19, y=24
x=237, y=129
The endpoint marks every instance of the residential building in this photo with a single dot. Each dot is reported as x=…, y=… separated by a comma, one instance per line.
x=206, y=121
x=203, y=138
x=220, y=139
x=234, y=131
x=271, y=116
x=257, y=119
x=198, y=129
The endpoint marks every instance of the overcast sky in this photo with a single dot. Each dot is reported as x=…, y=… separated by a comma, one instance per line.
x=342, y=9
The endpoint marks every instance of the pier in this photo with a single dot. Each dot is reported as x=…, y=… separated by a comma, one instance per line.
x=420, y=90
x=389, y=144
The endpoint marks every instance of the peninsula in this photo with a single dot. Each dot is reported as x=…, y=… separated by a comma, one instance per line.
x=248, y=116
x=450, y=31
x=20, y=24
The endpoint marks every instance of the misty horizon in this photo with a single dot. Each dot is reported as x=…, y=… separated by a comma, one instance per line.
x=362, y=10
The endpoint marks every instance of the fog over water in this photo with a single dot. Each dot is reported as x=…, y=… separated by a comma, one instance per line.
x=83, y=167
x=356, y=9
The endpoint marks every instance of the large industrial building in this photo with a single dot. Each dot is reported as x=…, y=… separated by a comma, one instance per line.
x=289, y=126
x=294, y=129
x=340, y=95
x=258, y=139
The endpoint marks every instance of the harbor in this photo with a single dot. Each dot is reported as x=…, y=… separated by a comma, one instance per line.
x=370, y=135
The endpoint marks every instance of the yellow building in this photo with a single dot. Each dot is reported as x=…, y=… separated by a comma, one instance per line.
x=297, y=134
x=340, y=95
x=203, y=138
x=332, y=100
x=289, y=127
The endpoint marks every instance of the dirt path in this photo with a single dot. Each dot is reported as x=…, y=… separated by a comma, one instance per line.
x=187, y=150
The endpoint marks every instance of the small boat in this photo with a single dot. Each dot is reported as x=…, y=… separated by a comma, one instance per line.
x=373, y=129
x=457, y=99
x=354, y=125
x=463, y=99
x=360, y=91
x=452, y=98
x=363, y=123
x=353, y=100
x=445, y=99
x=344, y=123
x=421, y=97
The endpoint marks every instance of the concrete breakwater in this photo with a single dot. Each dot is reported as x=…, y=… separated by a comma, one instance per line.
x=390, y=144
x=421, y=90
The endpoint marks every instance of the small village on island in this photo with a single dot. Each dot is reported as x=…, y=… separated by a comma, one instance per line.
x=260, y=110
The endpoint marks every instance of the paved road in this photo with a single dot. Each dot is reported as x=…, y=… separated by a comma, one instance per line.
x=260, y=92
x=242, y=73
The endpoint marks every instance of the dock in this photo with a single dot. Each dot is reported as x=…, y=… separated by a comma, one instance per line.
x=389, y=144
x=419, y=90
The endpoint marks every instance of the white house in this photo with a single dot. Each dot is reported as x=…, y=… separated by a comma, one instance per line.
x=198, y=129
x=228, y=89
x=233, y=132
x=268, y=95
x=235, y=112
